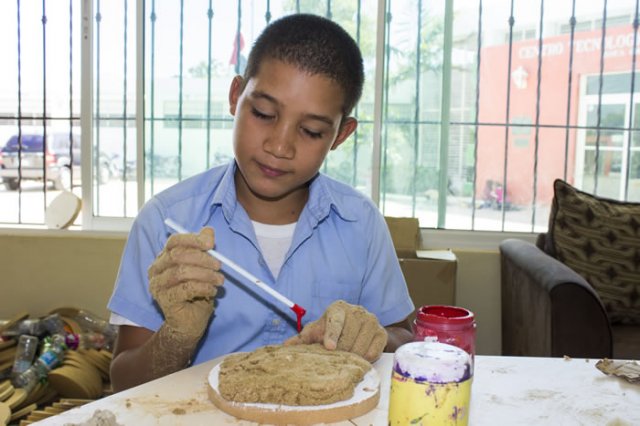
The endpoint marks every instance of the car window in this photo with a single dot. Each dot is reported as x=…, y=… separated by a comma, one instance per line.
x=30, y=143
x=61, y=142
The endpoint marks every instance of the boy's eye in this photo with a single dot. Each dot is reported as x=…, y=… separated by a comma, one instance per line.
x=261, y=115
x=312, y=134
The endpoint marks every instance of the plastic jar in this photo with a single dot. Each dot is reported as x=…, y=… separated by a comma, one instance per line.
x=430, y=385
x=452, y=325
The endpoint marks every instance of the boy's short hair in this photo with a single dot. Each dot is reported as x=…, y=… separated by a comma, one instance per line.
x=313, y=44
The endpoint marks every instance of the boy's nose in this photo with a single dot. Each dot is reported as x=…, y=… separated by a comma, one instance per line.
x=281, y=142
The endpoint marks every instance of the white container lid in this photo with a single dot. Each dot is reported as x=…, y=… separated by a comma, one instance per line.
x=433, y=362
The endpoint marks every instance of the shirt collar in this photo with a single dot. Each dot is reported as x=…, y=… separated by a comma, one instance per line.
x=321, y=199
x=225, y=194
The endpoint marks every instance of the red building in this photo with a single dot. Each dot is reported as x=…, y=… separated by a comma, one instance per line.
x=553, y=112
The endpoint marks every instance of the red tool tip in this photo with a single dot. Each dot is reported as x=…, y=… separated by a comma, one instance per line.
x=300, y=311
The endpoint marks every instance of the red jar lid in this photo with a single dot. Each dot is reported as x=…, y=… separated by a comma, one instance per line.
x=442, y=314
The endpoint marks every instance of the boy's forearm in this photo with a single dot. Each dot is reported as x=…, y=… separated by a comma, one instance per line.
x=398, y=335
x=164, y=353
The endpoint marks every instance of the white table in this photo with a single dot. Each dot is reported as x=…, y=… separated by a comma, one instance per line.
x=506, y=390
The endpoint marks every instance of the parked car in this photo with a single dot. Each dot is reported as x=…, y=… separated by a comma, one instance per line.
x=57, y=157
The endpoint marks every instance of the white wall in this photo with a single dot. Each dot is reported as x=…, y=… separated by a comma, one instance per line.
x=43, y=270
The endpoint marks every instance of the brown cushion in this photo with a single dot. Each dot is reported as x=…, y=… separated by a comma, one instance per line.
x=599, y=238
x=626, y=341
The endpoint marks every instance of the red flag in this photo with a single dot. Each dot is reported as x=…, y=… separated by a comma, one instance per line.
x=235, y=53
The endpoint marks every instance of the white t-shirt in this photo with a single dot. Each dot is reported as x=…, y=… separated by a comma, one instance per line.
x=274, y=241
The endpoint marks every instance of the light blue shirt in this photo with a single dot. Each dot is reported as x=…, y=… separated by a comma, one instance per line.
x=341, y=249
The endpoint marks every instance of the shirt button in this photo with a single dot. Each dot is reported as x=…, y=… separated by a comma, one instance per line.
x=275, y=322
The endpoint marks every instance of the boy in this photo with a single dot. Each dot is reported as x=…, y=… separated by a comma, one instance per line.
x=321, y=243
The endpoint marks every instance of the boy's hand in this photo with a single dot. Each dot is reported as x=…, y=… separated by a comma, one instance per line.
x=348, y=328
x=183, y=280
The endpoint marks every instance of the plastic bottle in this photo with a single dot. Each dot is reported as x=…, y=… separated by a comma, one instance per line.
x=48, y=360
x=25, y=352
x=86, y=340
x=53, y=324
x=30, y=326
x=91, y=322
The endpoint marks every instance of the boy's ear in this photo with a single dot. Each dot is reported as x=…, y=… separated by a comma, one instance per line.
x=347, y=127
x=237, y=85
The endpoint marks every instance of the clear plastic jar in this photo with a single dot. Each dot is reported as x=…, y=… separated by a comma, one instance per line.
x=448, y=324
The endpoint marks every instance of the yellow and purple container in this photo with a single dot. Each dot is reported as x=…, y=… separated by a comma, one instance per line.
x=430, y=385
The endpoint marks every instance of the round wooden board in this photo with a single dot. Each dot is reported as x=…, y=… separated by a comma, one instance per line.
x=65, y=311
x=5, y=413
x=18, y=397
x=365, y=399
x=6, y=393
x=62, y=211
x=22, y=412
x=11, y=322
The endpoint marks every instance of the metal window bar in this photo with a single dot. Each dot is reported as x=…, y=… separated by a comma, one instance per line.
x=210, y=28
x=445, y=114
x=328, y=15
x=152, y=94
x=631, y=103
x=125, y=118
x=238, y=45
x=600, y=86
x=180, y=82
x=71, y=95
x=354, y=173
x=19, y=118
x=385, y=106
x=44, y=105
x=97, y=117
x=572, y=24
x=537, y=121
x=477, y=114
x=267, y=15
x=416, y=114
x=512, y=21
x=139, y=108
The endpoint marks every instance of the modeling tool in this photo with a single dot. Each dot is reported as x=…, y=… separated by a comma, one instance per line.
x=299, y=310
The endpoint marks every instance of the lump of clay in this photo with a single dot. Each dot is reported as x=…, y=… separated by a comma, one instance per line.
x=99, y=418
x=291, y=375
x=628, y=370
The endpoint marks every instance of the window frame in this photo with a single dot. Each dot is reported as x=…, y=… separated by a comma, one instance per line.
x=433, y=238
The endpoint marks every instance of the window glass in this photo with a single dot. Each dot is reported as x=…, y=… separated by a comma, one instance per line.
x=39, y=95
x=473, y=127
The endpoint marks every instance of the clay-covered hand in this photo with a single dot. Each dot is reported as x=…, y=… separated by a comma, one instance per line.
x=348, y=328
x=183, y=280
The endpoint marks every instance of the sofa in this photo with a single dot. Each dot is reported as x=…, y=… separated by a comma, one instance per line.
x=575, y=292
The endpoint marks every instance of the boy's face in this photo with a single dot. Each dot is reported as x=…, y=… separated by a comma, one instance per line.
x=286, y=121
